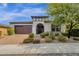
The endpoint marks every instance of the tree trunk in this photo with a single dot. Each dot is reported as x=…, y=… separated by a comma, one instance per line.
x=69, y=32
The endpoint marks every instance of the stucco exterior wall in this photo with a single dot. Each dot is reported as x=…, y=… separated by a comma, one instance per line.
x=63, y=28
x=3, y=31
x=47, y=26
x=35, y=25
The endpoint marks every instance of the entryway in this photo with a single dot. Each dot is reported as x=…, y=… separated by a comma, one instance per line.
x=39, y=28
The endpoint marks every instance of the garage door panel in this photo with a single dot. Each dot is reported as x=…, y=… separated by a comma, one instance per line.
x=23, y=29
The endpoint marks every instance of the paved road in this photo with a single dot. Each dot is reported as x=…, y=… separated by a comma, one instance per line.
x=40, y=49
x=13, y=39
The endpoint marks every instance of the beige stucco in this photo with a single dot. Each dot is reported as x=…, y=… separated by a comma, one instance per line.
x=3, y=31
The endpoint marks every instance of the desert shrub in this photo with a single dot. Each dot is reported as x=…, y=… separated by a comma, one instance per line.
x=51, y=36
x=36, y=41
x=77, y=39
x=57, y=34
x=31, y=35
x=47, y=34
x=65, y=34
x=43, y=35
x=28, y=40
x=61, y=38
x=10, y=31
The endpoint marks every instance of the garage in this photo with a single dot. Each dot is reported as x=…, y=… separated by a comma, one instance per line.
x=23, y=29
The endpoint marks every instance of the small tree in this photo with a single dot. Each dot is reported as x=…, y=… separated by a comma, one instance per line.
x=0, y=33
x=10, y=31
x=64, y=13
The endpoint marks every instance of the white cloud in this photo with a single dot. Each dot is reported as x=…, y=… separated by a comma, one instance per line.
x=4, y=4
x=24, y=13
x=33, y=10
x=9, y=16
x=6, y=15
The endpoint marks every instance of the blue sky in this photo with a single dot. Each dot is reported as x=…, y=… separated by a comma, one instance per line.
x=12, y=12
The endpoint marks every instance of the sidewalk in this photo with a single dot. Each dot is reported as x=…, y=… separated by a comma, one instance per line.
x=40, y=49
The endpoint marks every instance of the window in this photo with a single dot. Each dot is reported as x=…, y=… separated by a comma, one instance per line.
x=35, y=19
x=58, y=28
x=55, y=28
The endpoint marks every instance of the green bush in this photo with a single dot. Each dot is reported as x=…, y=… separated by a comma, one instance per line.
x=43, y=35
x=10, y=31
x=51, y=36
x=65, y=34
x=36, y=41
x=31, y=35
x=47, y=34
x=28, y=40
x=61, y=38
x=57, y=34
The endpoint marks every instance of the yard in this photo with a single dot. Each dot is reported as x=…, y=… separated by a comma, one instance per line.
x=19, y=38
x=11, y=45
x=13, y=39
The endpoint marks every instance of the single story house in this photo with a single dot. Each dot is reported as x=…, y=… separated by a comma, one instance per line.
x=38, y=25
x=3, y=30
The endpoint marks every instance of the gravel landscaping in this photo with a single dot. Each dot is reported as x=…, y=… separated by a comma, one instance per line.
x=13, y=39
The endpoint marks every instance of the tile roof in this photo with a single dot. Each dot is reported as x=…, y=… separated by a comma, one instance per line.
x=21, y=22
x=4, y=26
x=39, y=16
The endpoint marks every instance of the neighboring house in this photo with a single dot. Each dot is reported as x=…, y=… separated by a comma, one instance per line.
x=3, y=30
x=38, y=25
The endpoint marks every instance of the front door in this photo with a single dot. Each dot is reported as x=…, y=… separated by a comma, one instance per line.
x=39, y=28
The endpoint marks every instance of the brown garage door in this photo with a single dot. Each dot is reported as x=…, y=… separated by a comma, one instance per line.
x=23, y=29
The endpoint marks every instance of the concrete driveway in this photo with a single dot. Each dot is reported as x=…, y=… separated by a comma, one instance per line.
x=13, y=39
